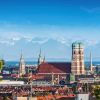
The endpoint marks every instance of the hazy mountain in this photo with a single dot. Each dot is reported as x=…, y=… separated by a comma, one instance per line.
x=51, y=48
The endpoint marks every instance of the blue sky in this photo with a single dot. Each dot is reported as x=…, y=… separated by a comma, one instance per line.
x=28, y=25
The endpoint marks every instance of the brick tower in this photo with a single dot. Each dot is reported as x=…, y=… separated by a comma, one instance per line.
x=77, y=66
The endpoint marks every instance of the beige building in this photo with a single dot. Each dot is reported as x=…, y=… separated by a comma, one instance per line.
x=77, y=65
x=21, y=66
x=91, y=66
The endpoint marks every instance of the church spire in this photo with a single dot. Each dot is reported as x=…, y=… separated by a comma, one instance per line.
x=40, y=58
x=91, y=66
x=21, y=57
x=40, y=53
x=44, y=59
x=21, y=66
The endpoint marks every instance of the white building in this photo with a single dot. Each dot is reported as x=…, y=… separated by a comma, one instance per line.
x=82, y=97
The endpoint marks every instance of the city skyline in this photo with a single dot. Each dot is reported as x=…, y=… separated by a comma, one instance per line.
x=52, y=25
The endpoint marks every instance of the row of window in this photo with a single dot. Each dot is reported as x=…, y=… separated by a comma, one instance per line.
x=78, y=64
x=78, y=58
x=78, y=52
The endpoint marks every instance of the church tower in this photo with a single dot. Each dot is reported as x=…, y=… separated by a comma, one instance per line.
x=91, y=66
x=21, y=66
x=40, y=58
x=44, y=59
x=77, y=65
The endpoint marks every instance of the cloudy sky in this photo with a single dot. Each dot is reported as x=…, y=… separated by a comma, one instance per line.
x=52, y=25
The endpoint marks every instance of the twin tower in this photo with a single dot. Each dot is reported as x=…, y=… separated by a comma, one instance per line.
x=77, y=64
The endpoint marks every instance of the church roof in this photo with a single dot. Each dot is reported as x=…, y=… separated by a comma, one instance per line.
x=54, y=67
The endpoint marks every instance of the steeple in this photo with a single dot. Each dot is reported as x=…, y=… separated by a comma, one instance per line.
x=40, y=53
x=91, y=66
x=21, y=66
x=40, y=58
x=21, y=57
x=44, y=59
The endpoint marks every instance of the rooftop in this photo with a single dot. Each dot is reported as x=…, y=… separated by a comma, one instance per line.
x=55, y=67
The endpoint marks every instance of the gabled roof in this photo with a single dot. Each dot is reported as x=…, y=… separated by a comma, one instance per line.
x=54, y=67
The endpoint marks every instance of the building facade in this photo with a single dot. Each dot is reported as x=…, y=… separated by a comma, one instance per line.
x=54, y=72
x=77, y=64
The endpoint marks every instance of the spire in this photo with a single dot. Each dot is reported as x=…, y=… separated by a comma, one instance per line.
x=44, y=59
x=39, y=59
x=21, y=65
x=91, y=67
x=21, y=55
x=40, y=53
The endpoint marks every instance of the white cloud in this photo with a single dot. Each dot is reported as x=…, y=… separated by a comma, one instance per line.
x=63, y=34
x=7, y=42
x=90, y=42
x=39, y=40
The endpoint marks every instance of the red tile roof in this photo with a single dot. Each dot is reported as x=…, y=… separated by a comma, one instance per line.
x=55, y=67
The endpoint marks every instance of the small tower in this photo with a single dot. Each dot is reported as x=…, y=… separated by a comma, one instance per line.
x=91, y=66
x=44, y=59
x=40, y=58
x=21, y=66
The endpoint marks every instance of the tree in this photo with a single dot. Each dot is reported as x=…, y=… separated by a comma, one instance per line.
x=1, y=64
x=97, y=92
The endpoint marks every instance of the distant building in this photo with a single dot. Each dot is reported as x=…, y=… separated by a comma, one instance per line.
x=77, y=65
x=21, y=66
x=97, y=69
x=91, y=66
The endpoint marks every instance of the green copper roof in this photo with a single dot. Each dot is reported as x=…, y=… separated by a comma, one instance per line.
x=77, y=44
